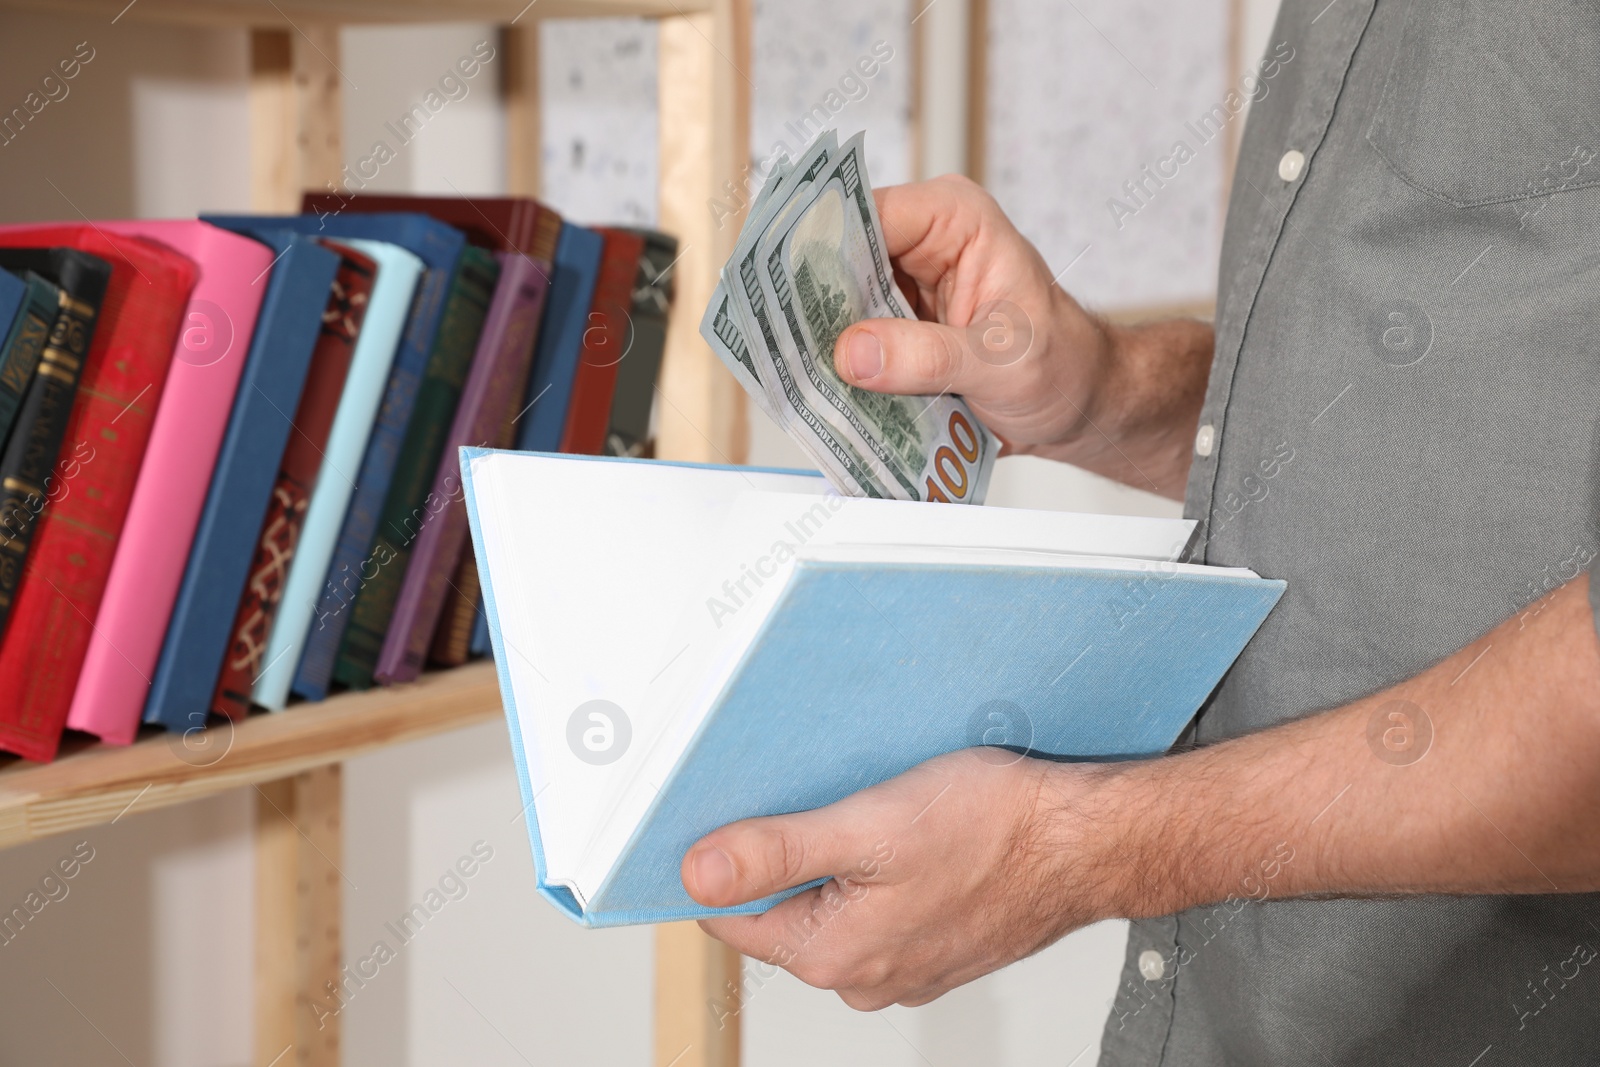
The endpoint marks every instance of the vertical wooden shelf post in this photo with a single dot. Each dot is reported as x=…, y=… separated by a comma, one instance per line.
x=705, y=84
x=296, y=144
x=298, y=849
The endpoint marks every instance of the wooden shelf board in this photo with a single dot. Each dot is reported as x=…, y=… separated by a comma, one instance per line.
x=100, y=783
x=268, y=14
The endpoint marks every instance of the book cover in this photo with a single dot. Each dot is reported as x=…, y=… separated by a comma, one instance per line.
x=27, y=463
x=119, y=387
x=776, y=647
x=409, y=509
x=515, y=224
x=542, y=415
x=191, y=420
x=400, y=275
x=30, y=305
x=629, y=431
x=439, y=247
x=499, y=372
x=608, y=340
x=244, y=644
x=518, y=225
x=452, y=638
x=259, y=427
x=13, y=291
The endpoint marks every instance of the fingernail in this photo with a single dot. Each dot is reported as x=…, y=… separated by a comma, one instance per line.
x=865, y=356
x=712, y=872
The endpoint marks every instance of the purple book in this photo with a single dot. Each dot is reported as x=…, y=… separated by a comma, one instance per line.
x=499, y=369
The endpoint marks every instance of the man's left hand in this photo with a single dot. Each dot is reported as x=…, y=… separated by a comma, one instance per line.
x=954, y=869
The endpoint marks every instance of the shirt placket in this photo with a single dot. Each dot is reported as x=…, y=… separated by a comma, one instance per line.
x=1276, y=178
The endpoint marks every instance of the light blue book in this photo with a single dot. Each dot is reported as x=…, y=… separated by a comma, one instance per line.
x=680, y=647
x=387, y=311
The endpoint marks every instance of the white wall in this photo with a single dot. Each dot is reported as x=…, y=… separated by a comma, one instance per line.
x=148, y=958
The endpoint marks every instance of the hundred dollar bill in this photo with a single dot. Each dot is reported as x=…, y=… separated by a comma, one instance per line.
x=720, y=326
x=839, y=455
x=818, y=265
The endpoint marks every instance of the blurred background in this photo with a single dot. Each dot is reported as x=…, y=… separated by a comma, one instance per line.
x=1053, y=106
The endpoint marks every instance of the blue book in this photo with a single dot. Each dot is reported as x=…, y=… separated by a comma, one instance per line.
x=12, y=292
x=679, y=647
x=241, y=483
x=555, y=358
x=439, y=247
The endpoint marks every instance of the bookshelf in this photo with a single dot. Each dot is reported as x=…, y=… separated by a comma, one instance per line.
x=293, y=759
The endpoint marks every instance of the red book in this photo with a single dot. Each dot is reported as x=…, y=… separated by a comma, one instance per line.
x=297, y=476
x=108, y=429
x=606, y=341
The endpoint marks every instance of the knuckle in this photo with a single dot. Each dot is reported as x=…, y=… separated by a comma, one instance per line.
x=931, y=358
x=784, y=857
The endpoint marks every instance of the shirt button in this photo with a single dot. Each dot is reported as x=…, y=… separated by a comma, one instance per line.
x=1151, y=965
x=1292, y=163
x=1204, y=440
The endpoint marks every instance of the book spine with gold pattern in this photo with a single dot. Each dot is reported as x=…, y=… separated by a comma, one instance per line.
x=28, y=480
x=75, y=537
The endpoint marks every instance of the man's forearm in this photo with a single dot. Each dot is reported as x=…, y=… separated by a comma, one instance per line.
x=1138, y=423
x=1480, y=775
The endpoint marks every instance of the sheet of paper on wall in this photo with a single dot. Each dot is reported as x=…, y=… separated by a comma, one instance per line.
x=810, y=261
x=681, y=646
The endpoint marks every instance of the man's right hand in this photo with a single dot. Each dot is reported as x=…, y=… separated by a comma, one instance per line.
x=1046, y=376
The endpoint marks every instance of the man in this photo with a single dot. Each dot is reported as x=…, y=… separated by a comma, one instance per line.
x=1385, y=847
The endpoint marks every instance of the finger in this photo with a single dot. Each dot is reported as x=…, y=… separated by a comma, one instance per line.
x=907, y=356
x=748, y=860
x=934, y=217
x=811, y=935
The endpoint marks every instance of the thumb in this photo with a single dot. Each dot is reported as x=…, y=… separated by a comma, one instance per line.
x=905, y=356
x=755, y=858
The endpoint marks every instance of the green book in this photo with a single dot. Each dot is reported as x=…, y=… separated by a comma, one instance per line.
x=407, y=507
x=19, y=355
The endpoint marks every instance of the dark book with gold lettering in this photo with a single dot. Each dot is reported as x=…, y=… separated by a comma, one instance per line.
x=27, y=464
x=75, y=535
x=406, y=509
x=24, y=344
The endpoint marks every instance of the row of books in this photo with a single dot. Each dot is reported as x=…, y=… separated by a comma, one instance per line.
x=229, y=468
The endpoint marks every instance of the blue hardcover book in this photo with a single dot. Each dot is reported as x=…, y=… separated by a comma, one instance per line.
x=679, y=647
x=241, y=484
x=555, y=359
x=12, y=292
x=439, y=247
x=388, y=311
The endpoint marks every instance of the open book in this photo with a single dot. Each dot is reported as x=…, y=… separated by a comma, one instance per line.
x=682, y=646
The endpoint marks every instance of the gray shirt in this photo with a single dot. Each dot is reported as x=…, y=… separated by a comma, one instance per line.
x=1401, y=422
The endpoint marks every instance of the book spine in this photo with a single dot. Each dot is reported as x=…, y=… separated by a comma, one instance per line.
x=411, y=507
x=499, y=373
x=106, y=435
x=350, y=561
x=606, y=342
x=452, y=644
x=629, y=430
x=24, y=346
x=26, y=481
x=297, y=476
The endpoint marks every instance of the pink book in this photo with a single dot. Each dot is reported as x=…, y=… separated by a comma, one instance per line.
x=171, y=488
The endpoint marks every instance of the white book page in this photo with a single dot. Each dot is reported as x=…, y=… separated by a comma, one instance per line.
x=590, y=560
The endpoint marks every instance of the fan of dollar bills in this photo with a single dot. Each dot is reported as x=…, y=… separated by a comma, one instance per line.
x=810, y=261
